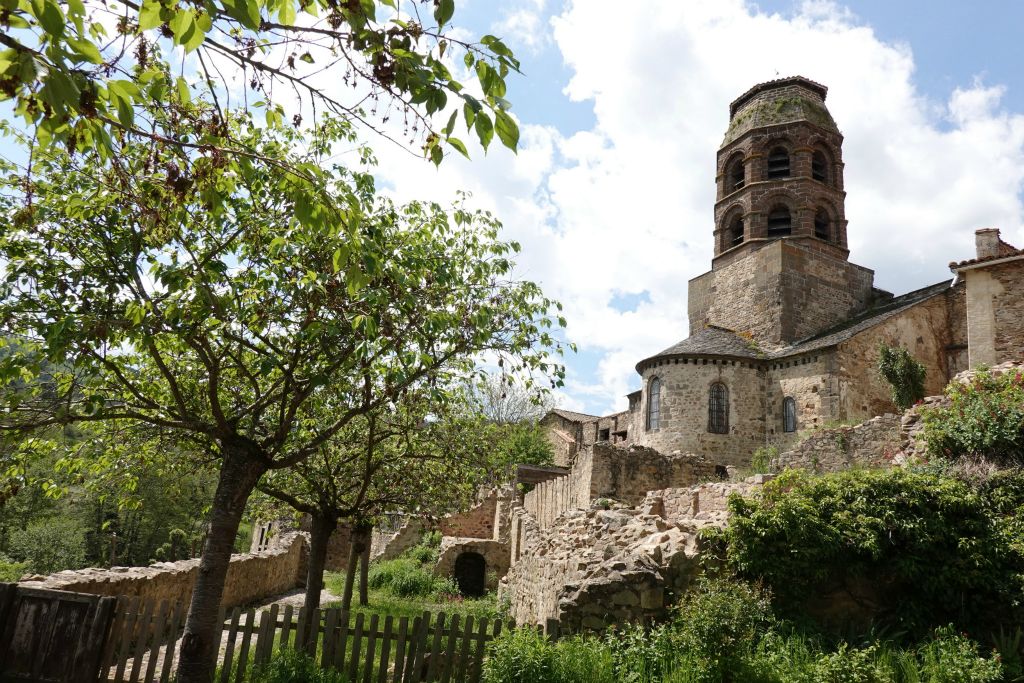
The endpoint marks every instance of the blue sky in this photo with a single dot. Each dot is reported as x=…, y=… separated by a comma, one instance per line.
x=622, y=106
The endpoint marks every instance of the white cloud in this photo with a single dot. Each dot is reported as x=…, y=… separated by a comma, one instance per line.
x=626, y=207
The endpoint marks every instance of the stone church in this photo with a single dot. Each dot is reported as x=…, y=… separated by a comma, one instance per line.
x=785, y=330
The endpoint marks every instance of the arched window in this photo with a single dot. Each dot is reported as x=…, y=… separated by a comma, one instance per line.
x=779, y=221
x=653, y=403
x=819, y=166
x=778, y=163
x=718, y=409
x=822, y=225
x=735, y=175
x=788, y=414
x=735, y=234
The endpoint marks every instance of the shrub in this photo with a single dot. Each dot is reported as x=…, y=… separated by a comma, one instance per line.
x=50, y=545
x=11, y=571
x=932, y=550
x=291, y=666
x=904, y=373
x=985, y=418
x=524, y=656
x=761, y=461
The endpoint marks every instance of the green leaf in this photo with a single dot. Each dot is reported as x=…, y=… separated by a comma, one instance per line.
x=306, y=57
x=149, y=15
x=484, y=129
x=451, y=123
x=459, y=145
x=184, y=93
x=50, y=17
x=443, y=11
x=286, y=15
x=85, y=49
x=508, y=131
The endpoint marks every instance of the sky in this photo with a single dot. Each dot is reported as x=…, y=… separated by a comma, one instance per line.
x=623, y=106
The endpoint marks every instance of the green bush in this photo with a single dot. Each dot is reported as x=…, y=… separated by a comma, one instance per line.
x=932, y=550
x=985, y=418
x=525, y=656
x=291, y=666
x=405, y=577
x=761, y=461
x=50, y=545
x=11, y=571
x=904, y=373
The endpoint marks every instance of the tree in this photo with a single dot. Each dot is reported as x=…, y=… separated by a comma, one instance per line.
x=501, y=400
x=75, y=84
x=213, y=297
x=419, y=455
x=904, y=373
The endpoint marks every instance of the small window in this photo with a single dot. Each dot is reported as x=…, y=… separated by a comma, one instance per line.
x=604, y=434
x=735, y=236
x=778, y=163
x=718, y=409
x=819, y=167
x=654, y=403
x=788, y=414
x=822, y=225
x=735, y=176
x=780, y=222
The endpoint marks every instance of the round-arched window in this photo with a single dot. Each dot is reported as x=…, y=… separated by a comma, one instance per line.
x=735, y=175
x=780, y=222
x=654, y=404
x=778, y=163
x=822, y=225
x=718, y=409
x=789, y=414
x=819, y=166
x=734, y=236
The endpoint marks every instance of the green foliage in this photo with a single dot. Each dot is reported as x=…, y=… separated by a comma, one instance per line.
x=904, y=373
x=524, y=656
x=926, y=548
x=406, y=577
x=761, y=461
x=293, y=666
x=426, y=551
x=50, y=545
x=984, y=418
x=11, y=571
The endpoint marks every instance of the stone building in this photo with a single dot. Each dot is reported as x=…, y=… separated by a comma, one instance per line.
x=785, y=330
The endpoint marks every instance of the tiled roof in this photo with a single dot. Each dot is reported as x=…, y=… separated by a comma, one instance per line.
x=954, y=265
x=575, y=417
x=866, y=320
x=718, y=341
x=711, y=340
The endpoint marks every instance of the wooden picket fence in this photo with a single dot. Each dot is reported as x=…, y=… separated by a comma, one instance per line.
x=143, y=638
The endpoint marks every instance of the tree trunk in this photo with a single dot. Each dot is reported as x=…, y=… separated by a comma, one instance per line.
x=323, y=527
x=359, y=545
x=200, y=642
x=364, y=570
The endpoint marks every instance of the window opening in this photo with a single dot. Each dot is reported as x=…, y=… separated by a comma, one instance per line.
x=779, y=222
x=718, y=409
x=819, y=167
x=778, y=163
x=737, y=175
x=654, y=403
x=821, y=225
x=736, y=231
x=789, y=414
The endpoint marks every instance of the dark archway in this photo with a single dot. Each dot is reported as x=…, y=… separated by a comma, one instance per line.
x=471, y=574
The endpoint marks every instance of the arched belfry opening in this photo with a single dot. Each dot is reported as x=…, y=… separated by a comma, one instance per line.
x=822, y=225
x=819, y=166
x=780, y=221
x=470, y=574
x=778, y=163
x=734, y=234
x=735, y=175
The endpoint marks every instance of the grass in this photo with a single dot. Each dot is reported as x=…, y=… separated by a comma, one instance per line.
x=384, y=602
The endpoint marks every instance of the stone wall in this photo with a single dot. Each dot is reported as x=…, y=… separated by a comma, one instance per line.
x=477, y=522
x=250, y=577
x=995, y=311
x=869, y=444
x=496, y=556
x=388, y=547
x=597, y=567
x=808, y=380
x=684, y=408
x=922, y=329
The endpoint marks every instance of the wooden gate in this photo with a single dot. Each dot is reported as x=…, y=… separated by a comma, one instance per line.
x=51, y=636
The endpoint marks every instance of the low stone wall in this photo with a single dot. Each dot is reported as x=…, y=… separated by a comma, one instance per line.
x=390, y=547
x=870, y=444
x=476, y=522
x=251, y=576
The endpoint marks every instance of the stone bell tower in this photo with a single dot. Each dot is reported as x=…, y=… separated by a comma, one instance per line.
x=780, y=270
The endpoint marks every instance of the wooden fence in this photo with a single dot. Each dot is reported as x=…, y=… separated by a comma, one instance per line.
x=366, y=648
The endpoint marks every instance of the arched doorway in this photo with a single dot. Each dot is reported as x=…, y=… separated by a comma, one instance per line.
x=470, y=574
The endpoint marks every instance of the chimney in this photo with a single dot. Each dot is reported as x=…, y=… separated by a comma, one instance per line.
x=986, y=242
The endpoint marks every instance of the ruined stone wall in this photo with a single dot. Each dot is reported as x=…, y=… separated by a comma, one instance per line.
x=922, y=329
x=477, y=522
x=684, y=408
x=872, y=443
x=551, y=498
x=496, y=557
x=563, y=435
x=808, y=380
x=250, y=577
x=779, y=293
x=388, y=547
x=957, y=356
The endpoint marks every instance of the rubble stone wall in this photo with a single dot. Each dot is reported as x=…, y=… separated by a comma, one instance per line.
x=250, y=577
x=477, y=522
x=495, y=554
x=870, y=444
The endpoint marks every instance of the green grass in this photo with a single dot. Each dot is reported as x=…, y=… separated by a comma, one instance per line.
x=384, y=602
